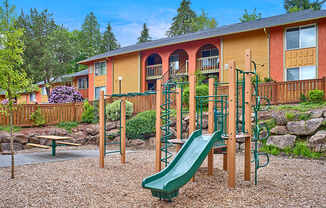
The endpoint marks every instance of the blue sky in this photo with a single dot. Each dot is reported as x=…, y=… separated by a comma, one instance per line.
x=127, y=16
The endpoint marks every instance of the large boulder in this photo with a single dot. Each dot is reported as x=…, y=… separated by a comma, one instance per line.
x=279, y=117
x=5, y=147
x=316, y=113
x=20, y=138
x=111, y=125
x=304, y=128
x=317, y=142
x=279, y=130
x=4, y=137
x=92, y=129
x=265, y=115
x=282, y=141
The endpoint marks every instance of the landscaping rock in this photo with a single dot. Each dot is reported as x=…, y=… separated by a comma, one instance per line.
x=111, y=125
x=304, y=128
x=279, y=130
x=92, y=129
x=318, y=141
x=318, y=113
x=136, y=142
x=265, y=115
x=5, y=147
x=20, y=138
x=279, y=117
x=4, y=137
x=282, y=141
x=113, y=132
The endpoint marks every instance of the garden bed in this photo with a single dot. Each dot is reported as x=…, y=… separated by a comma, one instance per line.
x=80, y=183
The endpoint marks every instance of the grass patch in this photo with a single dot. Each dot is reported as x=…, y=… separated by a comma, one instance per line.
x=68, y=125
x=304, y=116
x=300, y=150
x=302, y=107
x=290, y=116
x=270, y=123
x=7, y=128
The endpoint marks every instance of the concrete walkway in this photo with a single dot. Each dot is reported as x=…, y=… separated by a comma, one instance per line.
x=40, y=157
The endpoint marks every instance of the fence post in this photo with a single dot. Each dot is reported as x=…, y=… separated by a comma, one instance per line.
x=274, y=93
x=324, y=86
x=123, y=130
x=192, y=106
x=101, y=142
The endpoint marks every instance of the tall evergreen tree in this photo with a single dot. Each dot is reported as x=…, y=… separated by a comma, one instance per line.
x=48, y=49
x=298, y=5
x=246, y=17
x=203, y=22
x=91, y=36
x=144, y=35
x=183, y=22
x=109, y=42
x=13, y=79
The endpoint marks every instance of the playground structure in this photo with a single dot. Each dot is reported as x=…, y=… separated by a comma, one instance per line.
x=224, y=130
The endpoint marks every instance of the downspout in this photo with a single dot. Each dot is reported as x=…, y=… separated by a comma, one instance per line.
x=268, y=51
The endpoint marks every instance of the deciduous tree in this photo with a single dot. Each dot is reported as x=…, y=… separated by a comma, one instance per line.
x=298, y=5
x=247, y=17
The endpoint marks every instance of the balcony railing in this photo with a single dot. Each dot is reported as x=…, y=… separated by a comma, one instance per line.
x=208, y=64
x=153, y=71
x=179, y=70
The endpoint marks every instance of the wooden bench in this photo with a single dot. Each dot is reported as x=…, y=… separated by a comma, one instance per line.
x=38, y=145
x=68, y=143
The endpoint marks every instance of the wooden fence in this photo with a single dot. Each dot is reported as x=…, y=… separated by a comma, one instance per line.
x=276, y=92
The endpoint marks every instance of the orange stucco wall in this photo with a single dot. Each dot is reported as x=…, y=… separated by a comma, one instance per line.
x=91, y=81
x=190, y=47
x=109, y=74
x=276, y=53
x=322, y=48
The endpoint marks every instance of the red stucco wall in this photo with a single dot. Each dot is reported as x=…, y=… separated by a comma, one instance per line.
x=190, y=47
x=322, y=48
x=90, y=82
x=276, y=53
x=109, y=73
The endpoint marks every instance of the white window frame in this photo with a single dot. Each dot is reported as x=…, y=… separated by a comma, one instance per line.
x=299, y=27
x=84, y=79
x=32, y=95
x=299, y=67
x=96, y=98
x=43, y=91
x=95, y=71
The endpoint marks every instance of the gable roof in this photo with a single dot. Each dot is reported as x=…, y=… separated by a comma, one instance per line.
x=267, y=22
x=63, y=77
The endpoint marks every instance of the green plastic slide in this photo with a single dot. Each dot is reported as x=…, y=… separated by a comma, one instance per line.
x=165, y=184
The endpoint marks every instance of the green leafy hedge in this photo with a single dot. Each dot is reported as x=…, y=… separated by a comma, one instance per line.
x=142, y=126
x=316, y=96
x=37, y=118
x=88, y=115
x=113, y=110
x=201, y=90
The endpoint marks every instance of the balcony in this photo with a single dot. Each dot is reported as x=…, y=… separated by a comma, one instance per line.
x=208, y=65
x=153, y=71
x=176, y=70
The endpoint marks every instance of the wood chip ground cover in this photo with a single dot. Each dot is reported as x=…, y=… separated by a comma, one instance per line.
x=80, y=183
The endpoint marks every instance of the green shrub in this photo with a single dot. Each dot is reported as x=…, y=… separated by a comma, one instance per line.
x=113, y=110
x=316, y=96
x=270, y=123
x=304, y=116
x=37, y=117
x=290, y=116
x=68, y=125
x=201, y=90
x=142, y=126
x=88, y=115
x=7, y=128
x=268, y=79
x=270, y=149
x=303, y=98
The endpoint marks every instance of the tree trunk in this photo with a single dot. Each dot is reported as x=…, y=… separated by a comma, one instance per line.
x=12, y=146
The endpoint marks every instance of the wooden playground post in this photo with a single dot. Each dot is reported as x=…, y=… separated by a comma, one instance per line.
x=231, y=143
x=192, y=106
x=248, y=94
x=179, y=119
x=123, y=130
x=158, y=125
x=210, y=158
x=101, y=142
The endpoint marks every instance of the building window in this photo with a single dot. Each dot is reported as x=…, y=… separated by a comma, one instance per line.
x=82, y=83
x=301, y=37
x=43, y=91
x=32, y=97
x=100, y=68
x=97, y=92
x=301, y=73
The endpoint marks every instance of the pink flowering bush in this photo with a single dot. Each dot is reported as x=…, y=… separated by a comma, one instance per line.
x=65, y=94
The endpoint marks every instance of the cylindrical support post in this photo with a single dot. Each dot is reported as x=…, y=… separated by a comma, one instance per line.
x=231, y=144
x=210, y=158
x=101, y=142
x=123, y=131
x=179, y=119
x=248, y=128
x=192, y=106
x=158, y=125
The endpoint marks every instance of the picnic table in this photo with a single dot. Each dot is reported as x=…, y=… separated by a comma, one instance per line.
x=55, y=141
